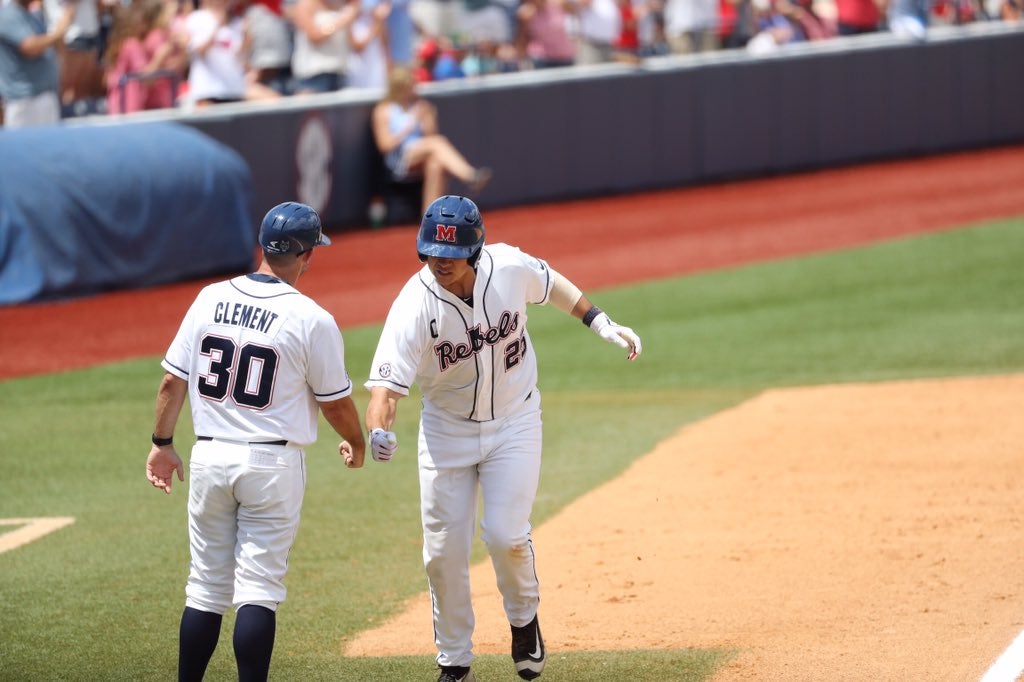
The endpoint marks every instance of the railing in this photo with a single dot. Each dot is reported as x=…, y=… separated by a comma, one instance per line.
x=164, y=74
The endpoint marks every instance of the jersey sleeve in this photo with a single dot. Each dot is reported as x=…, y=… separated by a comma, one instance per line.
x=400, y=348
x=326, y=373
x=539, y=279
x=178, y=359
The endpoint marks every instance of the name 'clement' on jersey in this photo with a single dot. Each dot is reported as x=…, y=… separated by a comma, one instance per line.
x=244, y=315
x=449, y=353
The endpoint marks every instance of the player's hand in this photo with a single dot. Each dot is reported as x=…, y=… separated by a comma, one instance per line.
x=161, y=464
x=623, y=337
x=382, y=445
x=352, y=459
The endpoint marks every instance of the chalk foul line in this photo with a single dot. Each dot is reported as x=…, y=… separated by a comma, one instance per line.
x=30, y=529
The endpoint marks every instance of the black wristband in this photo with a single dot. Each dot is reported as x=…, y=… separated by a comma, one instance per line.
x=591, y=315
x=162, y=441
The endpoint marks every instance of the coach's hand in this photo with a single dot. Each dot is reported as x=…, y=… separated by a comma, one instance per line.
x=382, y=445
x=161, y=465
x=617, y=334
x=352, y=459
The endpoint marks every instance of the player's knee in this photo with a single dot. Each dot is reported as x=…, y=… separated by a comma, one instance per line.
x=510, y=543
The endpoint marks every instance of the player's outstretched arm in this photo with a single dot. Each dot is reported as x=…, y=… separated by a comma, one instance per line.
x=380, y=417
x=343, y=417
x=163, y=460
x=569, y=299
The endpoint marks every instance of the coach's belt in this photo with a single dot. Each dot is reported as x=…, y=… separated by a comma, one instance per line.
x=252, y=442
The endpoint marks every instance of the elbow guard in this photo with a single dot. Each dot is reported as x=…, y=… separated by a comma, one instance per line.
x=564, y=294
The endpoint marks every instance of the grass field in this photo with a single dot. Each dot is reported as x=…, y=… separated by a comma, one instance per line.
x=100, y=599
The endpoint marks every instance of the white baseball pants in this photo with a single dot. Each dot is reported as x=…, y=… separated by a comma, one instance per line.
x=243, y=514
x=502, y=457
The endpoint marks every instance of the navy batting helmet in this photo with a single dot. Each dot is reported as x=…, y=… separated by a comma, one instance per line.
x=451, y=228
x=291, y=227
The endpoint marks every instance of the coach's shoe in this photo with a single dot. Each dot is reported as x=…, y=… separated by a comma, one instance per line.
x=528, y=650
x=456, y=673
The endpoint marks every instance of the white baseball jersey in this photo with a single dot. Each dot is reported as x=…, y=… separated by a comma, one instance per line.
x=258, y=355
x=475, y=362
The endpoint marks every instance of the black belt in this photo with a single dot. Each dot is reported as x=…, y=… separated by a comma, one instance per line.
x=252, y=442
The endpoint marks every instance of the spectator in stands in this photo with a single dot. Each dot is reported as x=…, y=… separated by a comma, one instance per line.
x=909, y=18
x=438, y=60
x=543, y=38
x=627, y=45
x=167, y=44
x=320, y=56
x=81, y=75
x=368, y=50
x=651, y=28
x=743, y=23
x=1011, y=10
x=269, y=38
x=486, y=24
x=691, y=25
x=436, y=18
x=597, y=26
x=217, y=45
x=406, y=133
x=29, y=78
x=808, y=24
x=855, y=17
x=402, y=31
x=140, y=67
x=773, y=28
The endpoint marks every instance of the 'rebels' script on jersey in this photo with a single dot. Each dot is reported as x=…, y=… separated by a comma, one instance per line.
x=449, y=353
x=258, y=355
x=476, y=361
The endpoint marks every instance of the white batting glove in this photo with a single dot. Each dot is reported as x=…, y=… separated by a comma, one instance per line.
x=382, y=445
x=623, y=337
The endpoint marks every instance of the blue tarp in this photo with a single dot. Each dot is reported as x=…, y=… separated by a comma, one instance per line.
x=89, y=209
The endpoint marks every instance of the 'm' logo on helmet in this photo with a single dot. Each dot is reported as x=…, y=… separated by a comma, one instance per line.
x=445, y=233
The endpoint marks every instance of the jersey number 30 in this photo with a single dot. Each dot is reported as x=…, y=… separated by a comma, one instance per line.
x=250, y=380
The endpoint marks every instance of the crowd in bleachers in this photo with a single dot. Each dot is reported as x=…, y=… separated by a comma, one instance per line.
x=119, y=56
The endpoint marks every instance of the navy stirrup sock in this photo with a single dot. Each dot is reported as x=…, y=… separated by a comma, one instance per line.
x=255, y=627
x=197, y=639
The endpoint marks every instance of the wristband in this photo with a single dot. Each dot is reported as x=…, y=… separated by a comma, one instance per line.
x=591, y=315
x=160, y=442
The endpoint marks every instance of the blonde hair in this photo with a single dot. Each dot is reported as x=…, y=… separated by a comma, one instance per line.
x=400, y=81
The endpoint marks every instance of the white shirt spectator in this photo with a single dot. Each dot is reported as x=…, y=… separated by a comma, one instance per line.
x=218, y=73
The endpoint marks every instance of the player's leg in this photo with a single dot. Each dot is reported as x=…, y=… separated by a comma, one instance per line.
x=211, y=530
x=197, y=639
x=253, y=640
x=269, y=489
x=509, y=476
x=448, y=452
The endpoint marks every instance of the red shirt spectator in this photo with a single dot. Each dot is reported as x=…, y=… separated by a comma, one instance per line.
x=857, y=16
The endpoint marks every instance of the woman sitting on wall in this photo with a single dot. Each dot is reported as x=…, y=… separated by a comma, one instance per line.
x=406, y=133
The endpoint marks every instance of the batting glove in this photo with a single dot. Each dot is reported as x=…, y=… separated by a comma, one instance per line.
x=623, y=337
x=382, y=445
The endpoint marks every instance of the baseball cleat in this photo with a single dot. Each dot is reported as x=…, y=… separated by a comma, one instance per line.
x=528, y=650
x=455, y=673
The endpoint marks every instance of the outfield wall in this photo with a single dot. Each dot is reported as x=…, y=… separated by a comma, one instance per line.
x=588, y=131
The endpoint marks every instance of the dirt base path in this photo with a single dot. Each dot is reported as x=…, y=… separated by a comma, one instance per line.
x=860, y=532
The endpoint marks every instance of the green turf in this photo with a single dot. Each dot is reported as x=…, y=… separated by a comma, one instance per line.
x=100, y=600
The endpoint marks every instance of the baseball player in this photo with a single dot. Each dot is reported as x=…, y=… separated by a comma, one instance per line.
x=458, y=329
x=244, y=356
